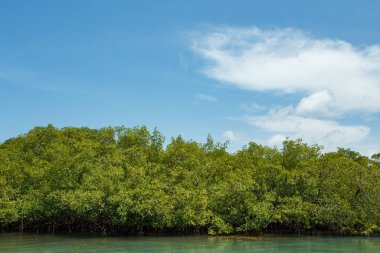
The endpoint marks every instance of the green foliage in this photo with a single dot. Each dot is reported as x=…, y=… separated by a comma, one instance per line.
x=125, y=179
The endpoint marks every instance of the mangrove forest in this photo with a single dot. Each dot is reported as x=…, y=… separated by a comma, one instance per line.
x=129, y=180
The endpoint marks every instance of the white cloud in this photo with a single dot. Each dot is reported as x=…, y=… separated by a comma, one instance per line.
x=236, y=139
x=329, y=133
x=317, y=104
x=336, y=75
x=276, y=140
x=232, y=136
x=207, y=98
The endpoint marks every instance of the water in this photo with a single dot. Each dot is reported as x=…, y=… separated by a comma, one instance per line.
x=69, y=243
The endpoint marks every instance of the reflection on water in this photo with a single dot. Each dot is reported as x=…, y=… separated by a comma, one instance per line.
x=185, y=244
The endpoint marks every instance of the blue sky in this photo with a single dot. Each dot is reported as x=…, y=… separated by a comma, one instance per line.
x=239, y=70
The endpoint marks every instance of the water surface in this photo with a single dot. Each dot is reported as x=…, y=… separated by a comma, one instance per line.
x=186, y=244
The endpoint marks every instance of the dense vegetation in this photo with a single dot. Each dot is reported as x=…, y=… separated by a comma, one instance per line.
x=125, y=180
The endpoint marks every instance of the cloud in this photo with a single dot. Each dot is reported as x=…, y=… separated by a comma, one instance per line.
x=207, y=98
x=334, y=75
x=232, y=136
x=284, y=122
x=276, y=140
x=317, y=104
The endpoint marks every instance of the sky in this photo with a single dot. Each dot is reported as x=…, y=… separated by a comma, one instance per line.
x=239, y=70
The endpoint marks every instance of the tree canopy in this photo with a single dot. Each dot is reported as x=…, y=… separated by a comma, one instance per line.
x=119, y=179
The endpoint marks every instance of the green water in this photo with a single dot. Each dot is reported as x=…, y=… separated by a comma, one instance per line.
x=199, y=244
